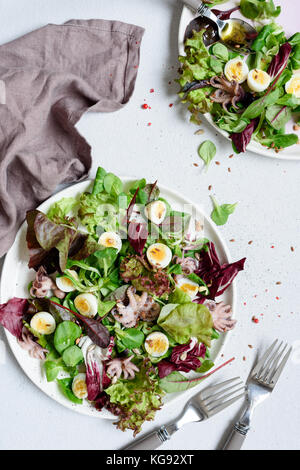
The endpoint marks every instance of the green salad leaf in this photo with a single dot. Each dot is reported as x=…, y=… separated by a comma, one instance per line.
x=185, y=321
x=65, y=386
x=259, y=9
x=65, y=335
x=221, y=213
x=136, y=400
x=207, y=151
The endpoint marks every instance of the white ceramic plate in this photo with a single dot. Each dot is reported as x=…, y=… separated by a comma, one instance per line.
x=287, y=20
x=16, y=276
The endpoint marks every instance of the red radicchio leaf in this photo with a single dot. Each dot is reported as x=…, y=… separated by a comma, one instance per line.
x=102, y=401
x=280, y=60
x=93, y=380
x=220, y=276
x=165, y=368
x=11, y=315
x=98, y=333
x=137, y=236
x=137, y=232
x=242, y=139
x=184, y=358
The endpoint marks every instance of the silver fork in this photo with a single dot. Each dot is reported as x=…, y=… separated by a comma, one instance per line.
x=200, y=407
x=260, y=384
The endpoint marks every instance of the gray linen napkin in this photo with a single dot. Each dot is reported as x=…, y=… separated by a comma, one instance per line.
x=48, y=79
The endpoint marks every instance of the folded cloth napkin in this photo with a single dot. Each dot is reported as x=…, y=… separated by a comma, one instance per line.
x=48, y=79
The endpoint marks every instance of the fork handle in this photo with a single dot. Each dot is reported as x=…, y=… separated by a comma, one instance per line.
x=150, y=441
x=235, y=439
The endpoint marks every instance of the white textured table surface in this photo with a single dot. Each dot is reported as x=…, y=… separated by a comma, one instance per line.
x=268, y=214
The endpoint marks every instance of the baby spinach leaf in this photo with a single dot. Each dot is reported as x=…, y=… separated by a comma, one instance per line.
x=280, y=140
x=65, y=386
x=259, y=9
x=65, y=335
x=105, y=307
x=221, y=213
x=112, y=184
x=216, y=65
x=220, y=51
x=207, y=152
x=131, y=338
x=72, y=356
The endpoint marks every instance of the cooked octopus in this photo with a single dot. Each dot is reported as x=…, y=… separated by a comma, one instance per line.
x=228, y=92
x=28, y=343
x=42, y=284
x=139, y=307
x=188, y=264
x=222, y=315
x=117, y=366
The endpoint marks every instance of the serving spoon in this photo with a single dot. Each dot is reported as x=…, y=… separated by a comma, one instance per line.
x=242, y=33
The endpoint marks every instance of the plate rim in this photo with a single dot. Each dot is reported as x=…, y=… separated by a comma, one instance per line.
x=12, y=340
x=253, y=146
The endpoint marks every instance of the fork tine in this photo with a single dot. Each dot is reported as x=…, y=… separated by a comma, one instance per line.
x=274, y=363
x=213, y=388
x=219, y=394
x=261, y=362
x=277, y=374
x=262, y=374
x=227, y=403
x=223, y=397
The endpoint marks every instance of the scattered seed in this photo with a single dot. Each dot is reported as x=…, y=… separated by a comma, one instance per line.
x=218, y=163
x=149, y=124
x=278, y=283
x=170, y=105
x=151, y=90
x=232, y=240
x=229, y=170
x=250, y=242
x=255, y=320
x=292, y=248
x=199, y=132
x=244, y=358
x=195, y=164
x=250, y=346
x=296, y=127
x=231, y=156
x=210, y=187
x=145, y=106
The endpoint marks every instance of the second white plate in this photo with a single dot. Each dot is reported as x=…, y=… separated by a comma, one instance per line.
x=290, y=153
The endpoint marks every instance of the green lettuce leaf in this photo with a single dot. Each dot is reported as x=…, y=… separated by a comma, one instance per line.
x=187, y=320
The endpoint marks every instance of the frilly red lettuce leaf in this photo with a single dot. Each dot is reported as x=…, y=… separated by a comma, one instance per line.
x=11, y=315
x=216, y=275
x=51, y=244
